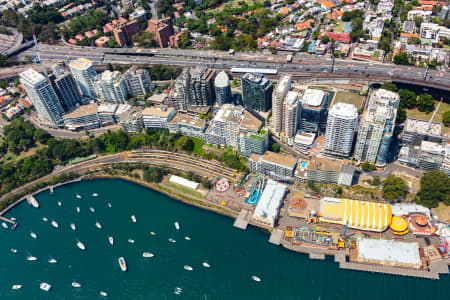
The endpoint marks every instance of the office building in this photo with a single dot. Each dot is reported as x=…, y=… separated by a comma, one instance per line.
x=314, y=111
x=85, y=75
x=124, y=33
x=111, y=87
x=42, y=95
x=341, y=126
x=256, y=92
x=137, y=81
x=292, y=111
x=158, y=117
x=376, y=127
x=275, y=165
x=222, y=88
x=283, y=86
x=66, y=88
x=163, y=30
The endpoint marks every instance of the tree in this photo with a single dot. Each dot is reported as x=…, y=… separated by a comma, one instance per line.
x=425, y=103
x=389, y=86
x=185, y=39
x=325, y=39
x=145, y=40
x=366, y=166
x=401, y=115
x=434, y=188
x=315, y=188
x=206, y=183
x=110, y=67
x=408, y=99
x=275, y=147
x=446, y=118
x=394, y=188
x=401, y=59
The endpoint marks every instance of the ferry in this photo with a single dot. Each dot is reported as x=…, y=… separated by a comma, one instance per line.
x=206, y=265
x=73, y=227
x=123, y=264
x=5, y=225
x=99, y=226
x=172, y=241
x=131, y=241
x=33, y=202
x=81, y=245
x=78, y=209
x=16, y=287
x=52, y=261
x=109, y=204
x=103, y=294
x=177, y=226
x=31, y=258
x=59, y=203
x=91, y=209
x=54, y=224
x=256, y=278
x=45, y=286
x=111, y=240
x=188, y=268
x=13, y=250
x=133, y=218
x=33, y=235
x=76, y=284
x=187, y=238
x=78, y=196
x=147, y=254
x=44, y=219
x=94, y=195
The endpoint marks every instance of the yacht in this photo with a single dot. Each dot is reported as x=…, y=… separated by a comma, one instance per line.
x=152, y=233
x=94, y=195
x=111, y=240
x=99, y=226
x=33, y=235
x=78, y=196
x=123, y=264
x=177, y=226
x=5, y=225
x=103, y=294
x=147, y=254
x=54, y=224
x=188, y=268
x=73, y=227
x=187, y=238
x=44, y=219
x=31, y=258
x=206, y=265
x=59, y=203
x=76, y=284
x=131, y=241
x=91, y=209
x=78, y=209
x=16, y=287
x=133, y=218
x=256, y=278
x=109, y=204
x=52, y=261
x=13, y=250
x=81, y=245
x=33, y=202
x=172, y=241
x=45, y=286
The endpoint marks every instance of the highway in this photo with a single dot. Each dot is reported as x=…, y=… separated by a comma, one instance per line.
x=302, y=65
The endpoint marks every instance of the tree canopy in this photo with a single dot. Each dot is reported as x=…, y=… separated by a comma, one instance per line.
x=446, y=118
x=394, y=188
x=425, y=103
x=434, y=188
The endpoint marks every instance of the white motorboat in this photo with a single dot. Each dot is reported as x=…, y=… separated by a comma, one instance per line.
x=13, y=250
x=54, y=224
x=178, y=291
x=91, y=209
x=103, y=294
x=177, y=226
x=256, y=278
x=52, y=261
x=12, y=219
x=76, y=284
x=31, y=258
x=33, y=235
x=188, y=268
x=59, y=203
x=78, y=209
x=99, y=226
x=16, y=287
x=123, y=264
x=133, y=218
x=5, y=225
x=111, y=240
x=206, y=265
x=45, y=286
x=131, y=241
x=147, y=254
x=187, y=238
x=73, y=227
x=81, y=245
x=78, y=196
x=172, y=241
x=109, y=204
x=44, y=219
x=33, y=202
x=94, y=194
x=152, y=233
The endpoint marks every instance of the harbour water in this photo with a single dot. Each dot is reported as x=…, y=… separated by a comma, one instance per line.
x=234, y=255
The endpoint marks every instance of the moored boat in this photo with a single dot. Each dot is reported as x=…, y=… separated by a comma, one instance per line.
x=54, y=224
x=17, y=287
x=52, y=261
x=99, y=226
x=33, y=202
x=78, y=209
x=73, y=227
x=103, y=294
x=188, y=268
x=123, y=264
x=111, y=240
x=256, y=278
x=133, y=218
x=94, y=194
x=131, y=241
x=45, y=286
x=5, y=225
x=147, y=254
x=172, y=241
x=81, y=245
x=33, y=235
x=187, y=238
x=59, y=203
x=177, y=226
x=206, y=265
x=91, y=209
x=44, y=219
x=13, y=250
x=78, y=196
x=76, y=284
x=109, y=204
x=31, y=258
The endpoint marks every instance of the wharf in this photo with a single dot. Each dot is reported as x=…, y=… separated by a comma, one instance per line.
x=276, y=236
x=7, y=220
x=242, y=219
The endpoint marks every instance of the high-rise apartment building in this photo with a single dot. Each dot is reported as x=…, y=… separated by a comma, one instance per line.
x=111, y=87
x=85, y=74
x=201, y=87
x=42, y=95
x=341, y=126
x=222, y=88
x=163, y=30
x=256, y=92
x=283, y=86
x=66, y=88
x=124, y=33
x=314, y=110
x=182, y=95
x=292, y=110
x=376, y=127
x=138, y=81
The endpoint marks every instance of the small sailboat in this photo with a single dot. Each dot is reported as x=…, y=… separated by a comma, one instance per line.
x=33, y=235
x=172, y=241
x=111, y=240
x=91, y=209
x=94, y=194
x=73, y=227
x=78, y=196
x=103, y=294
x=76, y=284
x=188, y=268
x=31, y=258
x=256, y=278
x=206, y=265
x=152, y=233
x=122, y=264
x=45, y=286
x=5, y=225
x=133, y=218
x=99, y=226
x=52, y=261
x=16, y=287
x=81, y=245
x=44, y=219
x=187, y=238
x=109, y=204
x=13, y=250
x=147, y=254
x=59, y=203
x=54, y=224
x=78, y=209
x=177, y=226
x=131, y=241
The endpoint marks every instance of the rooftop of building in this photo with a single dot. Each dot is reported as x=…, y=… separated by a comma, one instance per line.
x=108, y=76
x=158, y=111
x=81, y=63
x=321, y=163
x=32, y=75
x=436, y=148
x=283, y=83
x=84, y=110
x=183, y=118
x=107, y=108
x=255, y=157
x=222, y=80
x=313, y=98
x=270, y=200
x=344, y=110
x=304, y=138
x=250, y=122
x=280, y=159
x=256, y=78
x=291, y=98
x=423, y=127
x=158, y=98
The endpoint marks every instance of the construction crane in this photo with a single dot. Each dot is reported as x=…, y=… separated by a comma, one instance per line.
x=434, y=113
x=38, y=56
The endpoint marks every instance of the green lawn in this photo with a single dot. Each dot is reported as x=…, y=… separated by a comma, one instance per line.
x=198, y=149
x=416, y=114
x=340, y=27
x=349, y=97
x=233, y=4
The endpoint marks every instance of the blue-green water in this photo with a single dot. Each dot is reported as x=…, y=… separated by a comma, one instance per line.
x=234, y=255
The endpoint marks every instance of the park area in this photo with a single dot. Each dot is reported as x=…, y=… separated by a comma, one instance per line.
x=351, y=98
x=416, y=114
x=443, y=212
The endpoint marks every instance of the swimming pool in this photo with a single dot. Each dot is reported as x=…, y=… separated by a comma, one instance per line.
x=303, y=165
